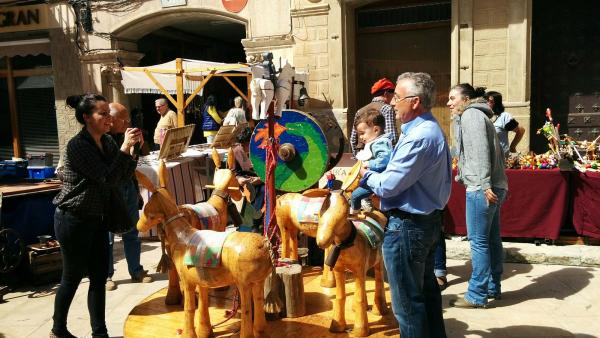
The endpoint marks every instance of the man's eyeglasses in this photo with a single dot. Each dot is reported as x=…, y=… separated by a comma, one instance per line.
x=398, y=98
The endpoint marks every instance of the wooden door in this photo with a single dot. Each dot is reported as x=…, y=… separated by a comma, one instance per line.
x=565, y=60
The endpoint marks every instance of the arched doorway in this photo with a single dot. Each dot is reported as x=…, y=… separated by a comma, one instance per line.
x=193, y=34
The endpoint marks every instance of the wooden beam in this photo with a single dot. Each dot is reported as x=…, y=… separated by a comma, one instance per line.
x=160, y=87
x=235, y=88
x=12, y=107
x=180, y=96
x=27, y=72
x=199, y=88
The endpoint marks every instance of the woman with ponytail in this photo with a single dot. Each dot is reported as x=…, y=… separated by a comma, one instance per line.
x=481, y=170
x=93, y=164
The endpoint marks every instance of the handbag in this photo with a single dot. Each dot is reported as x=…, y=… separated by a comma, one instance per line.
x=117, y=217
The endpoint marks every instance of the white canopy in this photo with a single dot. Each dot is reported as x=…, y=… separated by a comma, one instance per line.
x=136, y=80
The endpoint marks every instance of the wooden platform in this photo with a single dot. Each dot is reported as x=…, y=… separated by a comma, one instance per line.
x=152, y=318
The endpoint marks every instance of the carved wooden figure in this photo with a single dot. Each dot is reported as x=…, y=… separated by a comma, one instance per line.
x=262, y=90
x=300, y=212
x=225, y=185
x=245, y=261
x=284, y=87
x=335, y=229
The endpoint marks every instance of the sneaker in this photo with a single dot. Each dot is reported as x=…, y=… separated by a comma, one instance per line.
x=142, y=277
x=442, y=282
x=66, y=334
x=110, y=285
x=465, y=304
x=366, y=205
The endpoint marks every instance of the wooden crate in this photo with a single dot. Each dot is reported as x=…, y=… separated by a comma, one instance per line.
x=44, y=265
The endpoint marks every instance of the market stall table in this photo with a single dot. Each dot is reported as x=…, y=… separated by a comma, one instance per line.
x=585, y=195
x=536, y=205
x=27, y=208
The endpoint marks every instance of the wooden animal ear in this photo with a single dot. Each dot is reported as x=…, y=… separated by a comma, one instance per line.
x=145, y=181
x=162, y=174
x=230, y=159
x=216, y=158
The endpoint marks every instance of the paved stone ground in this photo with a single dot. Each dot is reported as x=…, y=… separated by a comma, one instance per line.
x=539, y=300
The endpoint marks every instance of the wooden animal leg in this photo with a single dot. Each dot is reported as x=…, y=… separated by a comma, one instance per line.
x=293, y=243
x=285, y=251
x=361, y=323
x=327, y=279
x=246, y=309
x=379, y=304
x=259, y=311
x=338, y=322
x=174, y=295
x=203, y=329
x=189, y=309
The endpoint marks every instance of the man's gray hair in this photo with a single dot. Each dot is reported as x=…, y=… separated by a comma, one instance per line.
x=421, y=85
x=161, y=101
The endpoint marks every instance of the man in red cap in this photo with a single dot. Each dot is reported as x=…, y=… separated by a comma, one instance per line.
x=383, y=92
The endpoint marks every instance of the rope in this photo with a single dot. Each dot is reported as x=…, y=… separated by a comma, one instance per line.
x=271, y=230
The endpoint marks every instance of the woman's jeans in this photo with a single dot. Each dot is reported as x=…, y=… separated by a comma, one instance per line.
x=132, y=244
x=408, y=253
x=483, y=230
x=84, y=248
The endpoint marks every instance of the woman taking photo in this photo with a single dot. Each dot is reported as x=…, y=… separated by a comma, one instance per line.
x=93, y=165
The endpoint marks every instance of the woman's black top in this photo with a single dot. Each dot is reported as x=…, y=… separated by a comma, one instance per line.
x=89, y=174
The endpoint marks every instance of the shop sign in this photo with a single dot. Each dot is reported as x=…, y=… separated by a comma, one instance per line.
x=234, y=6
x=23, y=18
x=172, y=3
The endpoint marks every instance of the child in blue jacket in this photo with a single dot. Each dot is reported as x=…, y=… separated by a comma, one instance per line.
x=375, y=155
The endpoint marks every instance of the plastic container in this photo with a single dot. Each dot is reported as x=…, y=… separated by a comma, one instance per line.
x=40, y=159
x=40, y=172
x=11, y=170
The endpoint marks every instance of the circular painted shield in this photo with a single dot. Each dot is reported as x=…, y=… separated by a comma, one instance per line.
x=311, y=154
x=234, y=6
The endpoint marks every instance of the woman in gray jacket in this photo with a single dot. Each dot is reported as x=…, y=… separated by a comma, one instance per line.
x=481, y=170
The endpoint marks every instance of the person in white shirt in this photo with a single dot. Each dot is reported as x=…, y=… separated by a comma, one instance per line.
x=236, y=115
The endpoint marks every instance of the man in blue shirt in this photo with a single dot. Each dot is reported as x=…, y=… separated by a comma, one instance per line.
x=414, y=189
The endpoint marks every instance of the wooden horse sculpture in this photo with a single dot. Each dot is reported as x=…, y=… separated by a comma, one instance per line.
x=262, y=90
x=225, y=185
x=284, y=87
x=356, y=255
x=245, y=261
x=300, y=212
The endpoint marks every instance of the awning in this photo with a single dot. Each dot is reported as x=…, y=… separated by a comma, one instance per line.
x=25, y=47
x=136, y=81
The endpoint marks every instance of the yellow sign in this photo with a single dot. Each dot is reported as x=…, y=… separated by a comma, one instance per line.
x=23, y=18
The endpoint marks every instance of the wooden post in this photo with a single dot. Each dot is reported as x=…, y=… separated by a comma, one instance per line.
x=180, y=98
x=291, y=277
x=12, y=107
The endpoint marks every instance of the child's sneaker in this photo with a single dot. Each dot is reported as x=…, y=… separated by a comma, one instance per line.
x=366, y=205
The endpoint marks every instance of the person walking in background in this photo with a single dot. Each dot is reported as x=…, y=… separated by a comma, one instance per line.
x=211, y=120
x=383, y=92
x=236, y=115
x=130, y=192
x=93, y=164
x=414, y=188
x=504, y=122
x=481, y=170
x=168, y=120
x=375, y=155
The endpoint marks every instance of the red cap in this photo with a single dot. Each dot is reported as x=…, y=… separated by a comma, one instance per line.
x=382, y=84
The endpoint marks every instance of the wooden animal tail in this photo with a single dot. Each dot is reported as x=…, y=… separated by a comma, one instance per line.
x=163, y=264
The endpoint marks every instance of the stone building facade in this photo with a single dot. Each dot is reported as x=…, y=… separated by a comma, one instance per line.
x=483, y=42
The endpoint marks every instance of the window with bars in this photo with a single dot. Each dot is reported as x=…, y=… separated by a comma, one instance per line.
x=404, y=15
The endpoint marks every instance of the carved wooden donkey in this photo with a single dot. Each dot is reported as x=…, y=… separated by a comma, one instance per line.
x=210, y=215
x=358, y=250
x=208, y=259
x=301, y=212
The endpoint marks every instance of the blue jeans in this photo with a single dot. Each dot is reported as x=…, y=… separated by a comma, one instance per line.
x=358, y=195
x=483, y=229
x=440, y=257
x=131, y=242
x=408, y=249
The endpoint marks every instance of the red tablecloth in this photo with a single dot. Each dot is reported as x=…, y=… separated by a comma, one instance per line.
x=536, y=206
x=585, y=192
